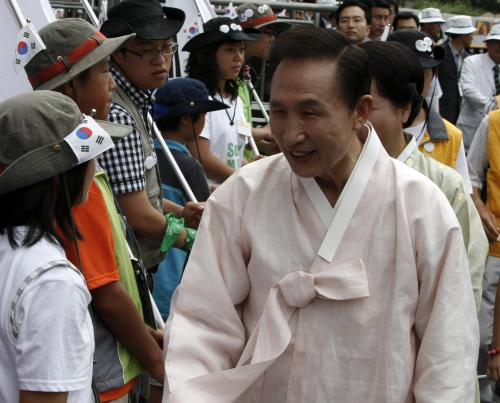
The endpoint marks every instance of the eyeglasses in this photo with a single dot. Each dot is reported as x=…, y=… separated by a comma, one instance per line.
x=151, y=54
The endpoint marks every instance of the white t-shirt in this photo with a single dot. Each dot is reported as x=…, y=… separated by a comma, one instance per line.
x=434, y=94
x=225, y=140
x=46, y=333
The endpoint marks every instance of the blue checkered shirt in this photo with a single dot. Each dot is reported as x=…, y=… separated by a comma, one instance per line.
x=124, y=163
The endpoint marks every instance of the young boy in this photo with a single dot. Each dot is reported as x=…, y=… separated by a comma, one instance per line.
x=76, y=63
x=179, y=111
x=138, y=68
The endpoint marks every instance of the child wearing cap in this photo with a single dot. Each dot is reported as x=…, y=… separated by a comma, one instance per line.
x=179, y=111
x=124, y=344
x=216, y=58
x=46, y=168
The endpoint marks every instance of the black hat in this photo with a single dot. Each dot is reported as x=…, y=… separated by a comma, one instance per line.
x=421, y=45
x=183, y=96
x=146, y=18
x=218, y=30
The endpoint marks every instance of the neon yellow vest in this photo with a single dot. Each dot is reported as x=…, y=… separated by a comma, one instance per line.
x=444, y=151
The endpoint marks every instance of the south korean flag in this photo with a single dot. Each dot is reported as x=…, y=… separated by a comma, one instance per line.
x=88, y=140
x=29, y=44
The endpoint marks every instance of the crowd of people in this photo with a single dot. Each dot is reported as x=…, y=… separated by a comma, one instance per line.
x=355, y=258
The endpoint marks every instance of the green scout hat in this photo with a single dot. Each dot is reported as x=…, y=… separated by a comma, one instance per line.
x=258, y=16
x=43, y=134
x=73, y=46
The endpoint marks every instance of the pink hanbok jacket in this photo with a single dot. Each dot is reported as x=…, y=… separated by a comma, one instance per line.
x=286, y=299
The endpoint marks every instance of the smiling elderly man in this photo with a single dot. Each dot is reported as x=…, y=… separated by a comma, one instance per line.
x=319, y=275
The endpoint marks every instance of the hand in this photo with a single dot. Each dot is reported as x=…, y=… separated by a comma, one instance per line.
x=493, y=370
x=262, y=133
x=268, y=147
x=157, y=335
x=489, y=223
x=493, y=105
x=192, y=213
x=256, y=158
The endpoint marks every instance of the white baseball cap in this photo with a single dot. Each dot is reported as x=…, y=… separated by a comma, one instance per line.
x=460, y=25
x=494, y=34
x=429, y=15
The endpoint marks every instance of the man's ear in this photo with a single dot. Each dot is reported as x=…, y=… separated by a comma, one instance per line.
x=118, y=57
x=362, y=111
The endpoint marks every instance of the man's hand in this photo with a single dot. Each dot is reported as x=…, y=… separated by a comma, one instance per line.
x=489, y=223
x=493, y=370
x=262, y=133
x=192, y=213
x=157, y=335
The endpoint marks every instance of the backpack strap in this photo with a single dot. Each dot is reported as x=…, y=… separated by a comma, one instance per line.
x=27, y=281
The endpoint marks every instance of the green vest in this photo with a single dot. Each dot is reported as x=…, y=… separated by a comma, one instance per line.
x=149, y=249
x=120, y=366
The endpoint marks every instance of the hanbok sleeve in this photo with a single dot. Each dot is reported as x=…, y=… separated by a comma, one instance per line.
x=475, y=241
x=204, y=331
x=446, y=321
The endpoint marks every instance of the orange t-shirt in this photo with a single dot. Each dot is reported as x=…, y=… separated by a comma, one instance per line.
x=97, y=255
x=97, y=250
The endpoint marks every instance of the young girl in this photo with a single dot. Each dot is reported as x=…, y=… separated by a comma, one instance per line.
x=217, y=56
x=46, y=166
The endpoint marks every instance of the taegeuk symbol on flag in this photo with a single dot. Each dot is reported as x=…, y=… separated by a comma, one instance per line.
x=28, y=45
x=88, y=140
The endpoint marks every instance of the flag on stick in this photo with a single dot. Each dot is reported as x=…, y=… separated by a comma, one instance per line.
x=230, y=11
x=29, y=44
x=103, y=12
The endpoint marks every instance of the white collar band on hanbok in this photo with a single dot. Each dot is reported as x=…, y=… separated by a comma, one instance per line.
x=338, y=218
x=408, y=150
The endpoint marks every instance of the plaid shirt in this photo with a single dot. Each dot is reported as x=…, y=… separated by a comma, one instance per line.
x=124, y=163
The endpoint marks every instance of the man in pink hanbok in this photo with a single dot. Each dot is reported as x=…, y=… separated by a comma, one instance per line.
x=328, y=273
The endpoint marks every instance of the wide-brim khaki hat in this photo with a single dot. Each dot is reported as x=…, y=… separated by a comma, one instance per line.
x=43, y=134
x=72, y=46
